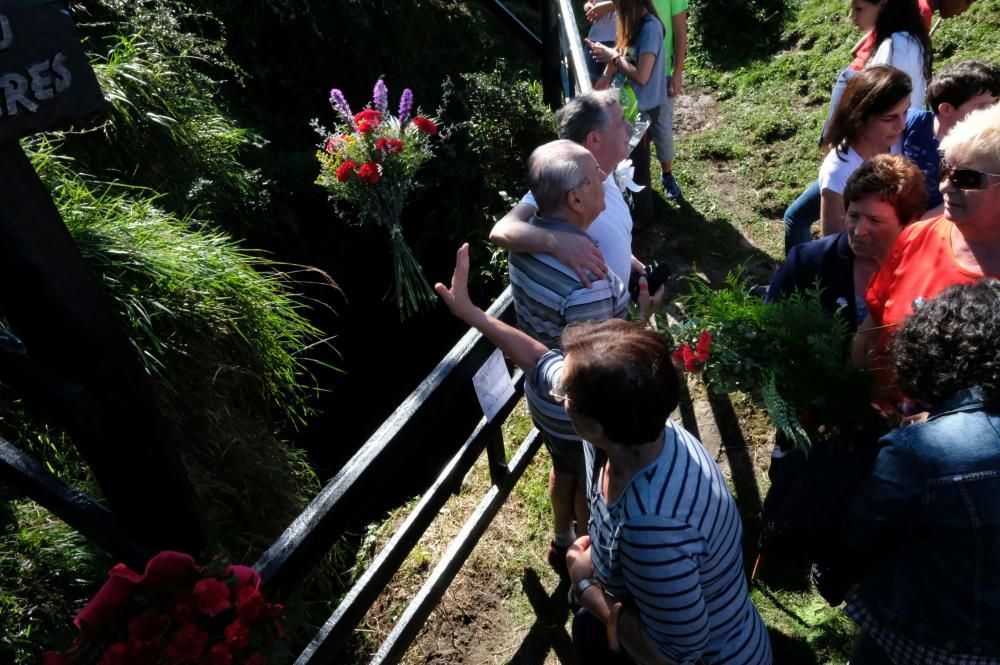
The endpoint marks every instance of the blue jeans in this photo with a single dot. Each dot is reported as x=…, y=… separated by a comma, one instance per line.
x=800, y=216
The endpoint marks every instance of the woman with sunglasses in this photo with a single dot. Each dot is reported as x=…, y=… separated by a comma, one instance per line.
x=659, y=578
x=959, y=247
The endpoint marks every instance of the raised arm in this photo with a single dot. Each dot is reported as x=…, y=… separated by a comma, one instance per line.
x=515, y=234
x=519, y=347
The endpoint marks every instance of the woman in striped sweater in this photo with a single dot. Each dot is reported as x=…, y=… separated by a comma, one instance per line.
x=659, y=578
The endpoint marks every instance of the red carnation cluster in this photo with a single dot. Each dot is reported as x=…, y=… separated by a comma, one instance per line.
x=425, y=124
x=369, y=173
x=368, y=120
x=345, y=170
x=176, y=613
x=693, y=360
x=389, y=145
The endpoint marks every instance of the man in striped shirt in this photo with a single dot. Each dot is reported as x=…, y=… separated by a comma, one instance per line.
x=566, y=182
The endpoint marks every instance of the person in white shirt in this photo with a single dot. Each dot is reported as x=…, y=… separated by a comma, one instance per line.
x=596, y=121
x=868, y=121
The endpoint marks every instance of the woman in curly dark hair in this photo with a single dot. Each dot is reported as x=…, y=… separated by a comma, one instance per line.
x=929, y=514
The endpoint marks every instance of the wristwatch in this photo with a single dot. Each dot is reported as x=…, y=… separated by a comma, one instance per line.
x=576, y=591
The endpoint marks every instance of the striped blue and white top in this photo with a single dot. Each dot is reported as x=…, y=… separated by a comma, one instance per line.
x=548, y=296
x=671, y=543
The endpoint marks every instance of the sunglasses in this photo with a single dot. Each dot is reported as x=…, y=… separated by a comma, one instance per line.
x=558, y=395
x=966, y=178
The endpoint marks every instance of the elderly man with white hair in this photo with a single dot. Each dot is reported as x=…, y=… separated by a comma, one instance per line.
x=596, y=121
x=566, y=183
x=959, y=247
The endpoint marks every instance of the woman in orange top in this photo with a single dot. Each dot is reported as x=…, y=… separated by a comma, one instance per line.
x=959, y=247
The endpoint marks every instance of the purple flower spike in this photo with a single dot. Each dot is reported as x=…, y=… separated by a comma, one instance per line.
x=380, y=96
x=405, y=104
x=339, y=104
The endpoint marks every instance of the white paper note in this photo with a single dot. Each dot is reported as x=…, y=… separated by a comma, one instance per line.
x=493, y=385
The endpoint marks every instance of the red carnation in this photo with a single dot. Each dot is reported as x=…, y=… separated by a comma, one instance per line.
x=345, y=170
x=382, y=144
x=116, y=654
x=217, y=655
x=369, y=173
x=704, y=344
x=249, y=603
x=212, y=596
x=187, y=645
x=425, y=124
x=183, y=607
x=395, y=145
x=147, y=626
x=689, y=360
x=368, y=115
x=237, y=635
x=677, y=356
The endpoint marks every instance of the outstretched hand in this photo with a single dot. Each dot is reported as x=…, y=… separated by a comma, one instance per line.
x=457, y=296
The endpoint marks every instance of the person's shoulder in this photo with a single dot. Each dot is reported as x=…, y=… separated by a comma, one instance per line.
x=934, y=227
x=919, y=119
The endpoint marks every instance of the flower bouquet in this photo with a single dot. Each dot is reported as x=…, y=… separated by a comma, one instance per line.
x=791, y=355
x=369, y=161
x=177, y=613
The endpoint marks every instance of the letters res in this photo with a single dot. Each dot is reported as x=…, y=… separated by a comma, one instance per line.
x=41, y=81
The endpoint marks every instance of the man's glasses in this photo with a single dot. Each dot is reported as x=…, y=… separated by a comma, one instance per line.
x=558, y=395
x=966, y=178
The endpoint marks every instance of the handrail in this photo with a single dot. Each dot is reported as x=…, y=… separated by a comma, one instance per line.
x=577, y=56
x=304, y=542
x=290, y=557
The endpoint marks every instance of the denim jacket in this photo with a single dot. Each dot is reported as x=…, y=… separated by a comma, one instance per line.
x=930, y=513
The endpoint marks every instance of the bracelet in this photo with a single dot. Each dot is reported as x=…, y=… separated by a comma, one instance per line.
x=614, y=644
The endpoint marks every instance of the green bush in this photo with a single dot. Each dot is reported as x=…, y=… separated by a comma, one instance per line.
x=506, y=120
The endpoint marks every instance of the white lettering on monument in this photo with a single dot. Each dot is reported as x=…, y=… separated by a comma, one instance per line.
x=39, y=82
x=6, y=36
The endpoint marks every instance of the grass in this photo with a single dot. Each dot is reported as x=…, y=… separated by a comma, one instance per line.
x=763, y=151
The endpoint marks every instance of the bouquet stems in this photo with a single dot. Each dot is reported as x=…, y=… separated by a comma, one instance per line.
x=413, y=291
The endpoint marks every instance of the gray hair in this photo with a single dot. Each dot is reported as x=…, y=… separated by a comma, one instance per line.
x=976, y=139
x=585, y=113
x=553, y=170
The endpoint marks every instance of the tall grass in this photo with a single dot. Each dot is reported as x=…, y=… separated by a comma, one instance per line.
x=167, y=128
x=224, y=339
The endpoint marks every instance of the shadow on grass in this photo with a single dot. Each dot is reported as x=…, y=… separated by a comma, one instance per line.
x=549, y=630
x=689, y=240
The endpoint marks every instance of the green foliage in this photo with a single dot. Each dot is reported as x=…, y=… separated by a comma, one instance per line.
x=791, y=354
x=506, y=120
x=45, y=567
x=167, y=128
x=187, y=293
x=222, y=335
